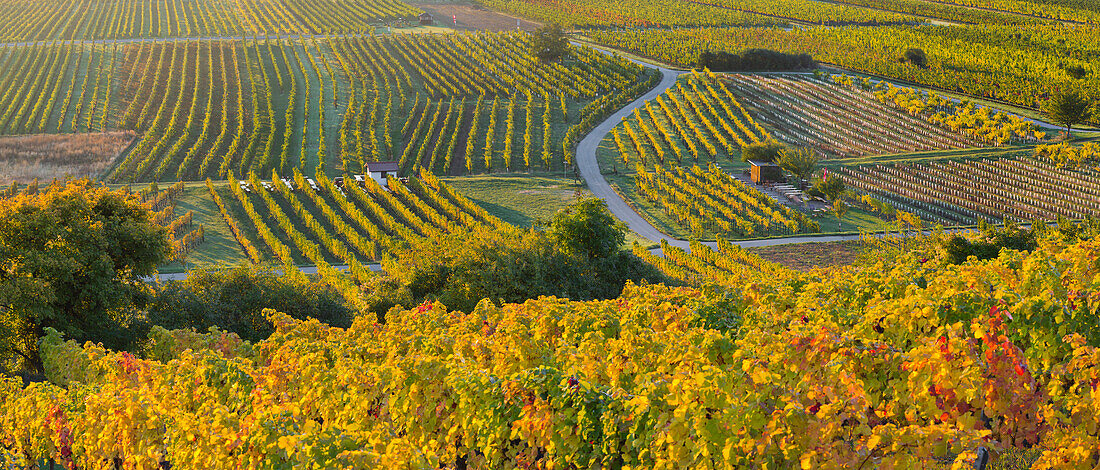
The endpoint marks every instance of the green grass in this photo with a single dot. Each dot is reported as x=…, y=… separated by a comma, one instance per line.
x=220, y=248
x=519, y=199
x=524, y=200
x=622, y=178
x=855, y=220
x=624, y=185
x=1015, y=151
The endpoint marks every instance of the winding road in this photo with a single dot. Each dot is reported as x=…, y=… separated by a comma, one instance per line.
x=589, y=169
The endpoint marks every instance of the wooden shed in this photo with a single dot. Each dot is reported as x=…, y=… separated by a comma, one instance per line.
x=765, y=172
x=427, y=19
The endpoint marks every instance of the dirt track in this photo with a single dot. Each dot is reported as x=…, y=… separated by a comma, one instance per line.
x=474, y=17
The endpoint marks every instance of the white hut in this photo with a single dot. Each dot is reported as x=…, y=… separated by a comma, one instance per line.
x=379, y=171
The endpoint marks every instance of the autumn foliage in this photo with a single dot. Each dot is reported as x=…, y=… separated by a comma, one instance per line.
x=907, y=361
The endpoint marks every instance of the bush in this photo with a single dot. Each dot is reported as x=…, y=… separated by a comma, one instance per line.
x=234, y=299
x=754, y=60
x=1076, y=72
x=587, y=229
x=958, y=249
x=767, y=151
x=916, y=57
x=579, y=258
x=549, y=43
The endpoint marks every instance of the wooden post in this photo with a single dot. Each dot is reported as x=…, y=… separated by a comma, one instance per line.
x=982, y=461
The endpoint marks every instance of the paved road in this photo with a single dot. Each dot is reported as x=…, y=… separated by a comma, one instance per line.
x=590, y=170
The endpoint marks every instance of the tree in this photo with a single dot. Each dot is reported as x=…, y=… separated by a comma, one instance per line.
x=1068, y=109
x=578, y=257
x=835, y=191
x=799, y=161
x=1076, y=72
x=586, y=228
x=832, y=187
x=754, y=60
x=878, y=205
x=74, y=258
x=549, y=43
x=916, y=57
x=234, y=300
x=762, y=151
x=839, y=208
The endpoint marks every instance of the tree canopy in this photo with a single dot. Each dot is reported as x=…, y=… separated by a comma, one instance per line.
x=916, y=57
x=800, y=161
x=1068, y=109
x=234, y=300
x=766, y=151
x=73, y=258
x=832, y=187
x=754, y=60
x=578, y=257
x=586, y=228
x=549, y=43
x=835, y=191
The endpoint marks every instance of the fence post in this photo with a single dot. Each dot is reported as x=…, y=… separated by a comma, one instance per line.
x=982, y=461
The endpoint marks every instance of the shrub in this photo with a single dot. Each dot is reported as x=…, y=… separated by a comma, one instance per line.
x=234, y=300
x=767, y=151
x=916, y=57
x=957, y=249
x=754, y=60
x=579, y=257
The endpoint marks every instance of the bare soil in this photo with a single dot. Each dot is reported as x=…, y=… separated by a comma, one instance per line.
x=473, y=17
x=806, y=256
x=458, y=160
x=45, y=157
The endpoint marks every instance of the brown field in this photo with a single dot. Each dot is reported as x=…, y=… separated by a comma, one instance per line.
x=806, y=256
x=473, y=17
x=45, y=157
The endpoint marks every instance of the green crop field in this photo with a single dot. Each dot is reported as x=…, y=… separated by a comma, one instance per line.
x=205, y=108
x=34, y=20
